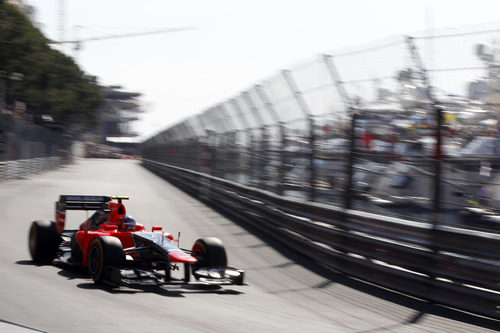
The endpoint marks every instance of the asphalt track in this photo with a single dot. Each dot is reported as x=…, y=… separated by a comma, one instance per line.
x=285, y=293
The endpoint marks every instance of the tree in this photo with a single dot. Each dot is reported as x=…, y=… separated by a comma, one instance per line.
x=52, y=84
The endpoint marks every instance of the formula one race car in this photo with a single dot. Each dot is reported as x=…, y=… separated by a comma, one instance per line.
x=119, y=251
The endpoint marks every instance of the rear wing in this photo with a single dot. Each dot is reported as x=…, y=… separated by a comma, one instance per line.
x=81, y=202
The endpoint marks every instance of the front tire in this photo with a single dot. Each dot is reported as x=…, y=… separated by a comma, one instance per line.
x=210, y=252
x=43, y=241
x=105, y=252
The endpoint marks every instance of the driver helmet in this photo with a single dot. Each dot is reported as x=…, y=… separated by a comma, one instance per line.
x=127, y=223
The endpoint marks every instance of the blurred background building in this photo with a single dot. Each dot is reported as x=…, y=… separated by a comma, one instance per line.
x=119, y=110
x=114, y=136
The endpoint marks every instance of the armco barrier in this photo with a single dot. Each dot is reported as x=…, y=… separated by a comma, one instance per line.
x=447, y=265
x=17, y=169
x=3, y=170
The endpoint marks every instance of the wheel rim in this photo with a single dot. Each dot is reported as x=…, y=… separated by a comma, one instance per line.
x=199, y=252
x=95, y=261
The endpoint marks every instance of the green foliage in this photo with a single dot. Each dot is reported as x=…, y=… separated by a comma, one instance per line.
x=52, y=83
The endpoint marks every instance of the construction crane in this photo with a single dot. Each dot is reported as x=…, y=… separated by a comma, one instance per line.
x=78, y=42
x=61, y=13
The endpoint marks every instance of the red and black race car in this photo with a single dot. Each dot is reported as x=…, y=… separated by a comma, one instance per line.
x=119, y=251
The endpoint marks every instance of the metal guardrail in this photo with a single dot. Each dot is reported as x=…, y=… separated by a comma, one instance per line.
x=447, y=265
x=18, y=169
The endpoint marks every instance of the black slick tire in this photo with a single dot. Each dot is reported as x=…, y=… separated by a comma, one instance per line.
x=210, y=252
x=43, y=241
x=105, y=252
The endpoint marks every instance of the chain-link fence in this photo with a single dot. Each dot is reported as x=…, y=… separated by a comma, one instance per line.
x=407, y=127
x=26, y=148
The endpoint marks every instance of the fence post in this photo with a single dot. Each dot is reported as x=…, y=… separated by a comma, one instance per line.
x=206, y=167
x=225, y=118
x=272, y=112
x=332, y=70
x=349, y=110
x=251, y=157
x=214, y=153
x=283, y=159
x=350, y=163
x=312, y=158
x=262, y=160
x=436, y=209
x=312, y=137
x=438, y=112
x=229, y=157
x=242, y=117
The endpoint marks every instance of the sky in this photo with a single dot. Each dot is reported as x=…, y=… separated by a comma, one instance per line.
x=235, y=43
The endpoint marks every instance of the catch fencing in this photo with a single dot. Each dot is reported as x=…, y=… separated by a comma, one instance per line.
x=406, y=128
x=26, y=148
x=381, y=162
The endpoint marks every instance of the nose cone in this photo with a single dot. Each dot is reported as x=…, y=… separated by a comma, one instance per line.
x=182, y=257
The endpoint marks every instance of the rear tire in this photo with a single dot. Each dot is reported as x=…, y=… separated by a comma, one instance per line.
x=105, y=252
x=210, y=252
x=43, y=241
